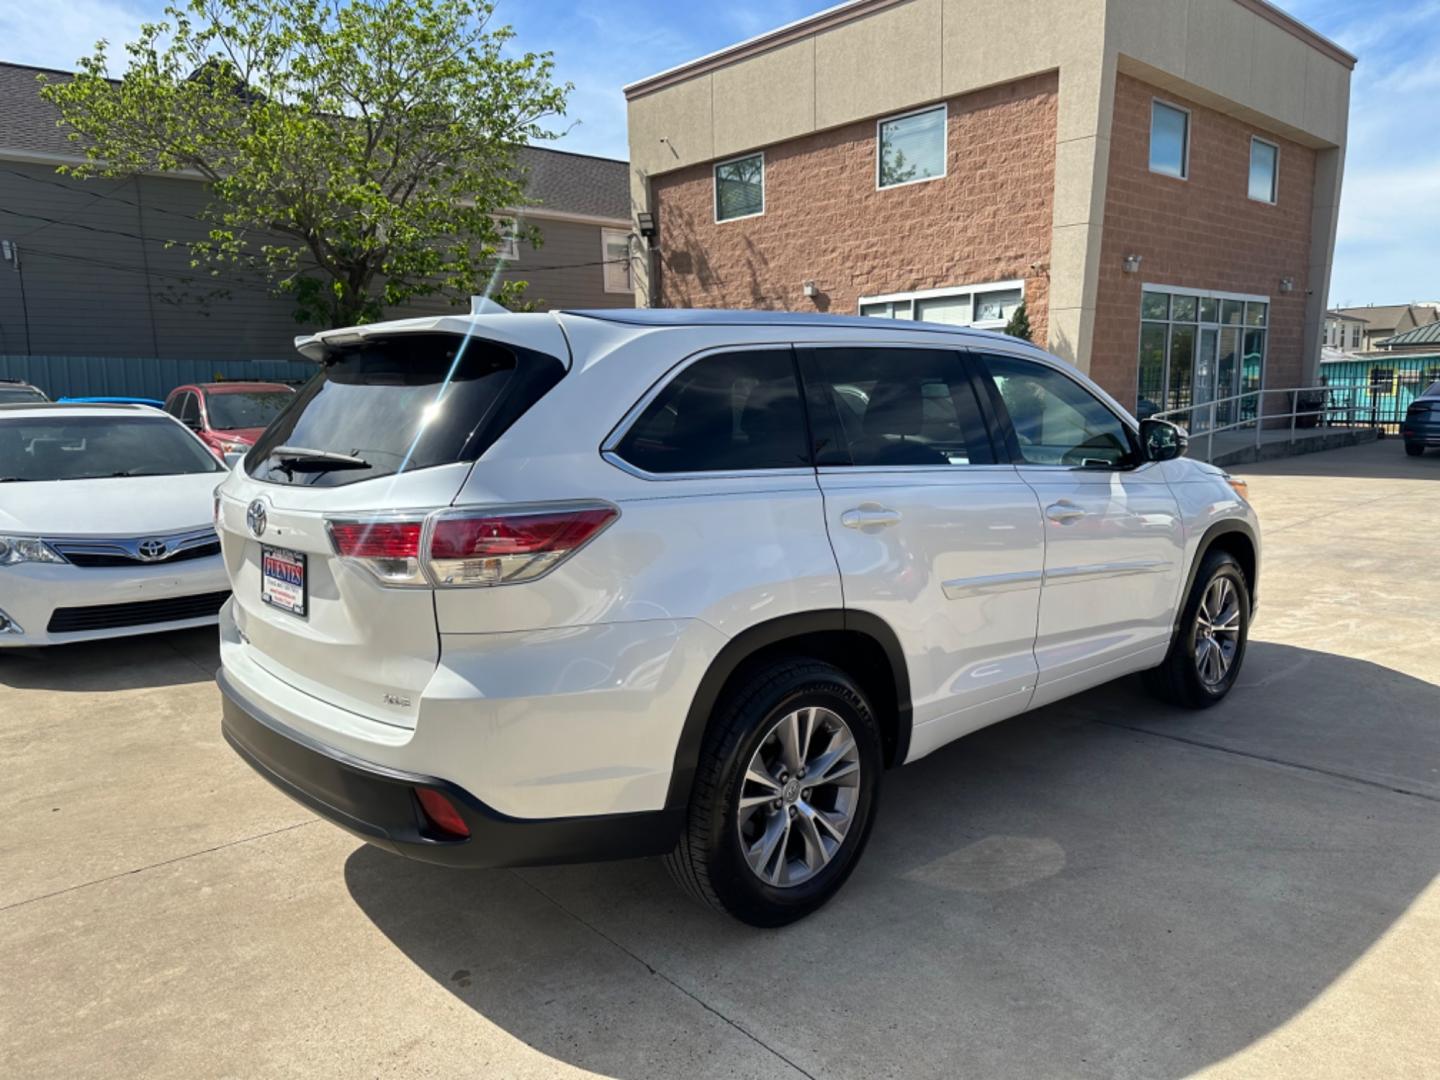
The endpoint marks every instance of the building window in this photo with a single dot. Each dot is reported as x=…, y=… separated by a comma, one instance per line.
x=986, y=306
x=910, y=148
x=1169, y=140
x=740, y=188
x=1264, y=170
x=507, y=246
x=615, y=253
x=1199, y=347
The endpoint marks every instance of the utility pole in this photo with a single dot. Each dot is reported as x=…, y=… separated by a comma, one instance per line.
x=10, y=253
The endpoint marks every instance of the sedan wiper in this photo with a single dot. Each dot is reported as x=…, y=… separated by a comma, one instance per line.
x=14, y=479
x=330, y=459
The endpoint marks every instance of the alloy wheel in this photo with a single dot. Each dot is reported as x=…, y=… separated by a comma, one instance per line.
x=1217, y=631
x=799, y=796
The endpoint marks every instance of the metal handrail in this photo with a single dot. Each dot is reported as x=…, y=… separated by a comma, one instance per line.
x=1259, y=415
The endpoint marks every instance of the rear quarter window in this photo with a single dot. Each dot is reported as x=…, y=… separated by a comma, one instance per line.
x=412, y=401
x=726, y=412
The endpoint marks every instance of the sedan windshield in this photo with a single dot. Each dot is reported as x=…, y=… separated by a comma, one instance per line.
x=232, y=410
x=88, y=447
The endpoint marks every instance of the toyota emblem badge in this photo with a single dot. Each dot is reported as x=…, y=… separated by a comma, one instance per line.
x=152, y=550
x=255, y=518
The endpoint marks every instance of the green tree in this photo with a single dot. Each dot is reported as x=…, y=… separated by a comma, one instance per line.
x=1019, y=324
x=359, y=154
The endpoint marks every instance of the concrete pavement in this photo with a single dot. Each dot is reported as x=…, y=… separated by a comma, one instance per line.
x=1106, y=887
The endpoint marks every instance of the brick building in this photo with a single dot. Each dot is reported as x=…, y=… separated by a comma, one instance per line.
x=1157, y=180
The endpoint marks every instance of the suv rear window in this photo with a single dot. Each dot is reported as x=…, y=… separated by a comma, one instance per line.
x=390, y=405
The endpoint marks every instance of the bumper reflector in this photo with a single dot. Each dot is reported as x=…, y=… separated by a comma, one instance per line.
x=440, y=812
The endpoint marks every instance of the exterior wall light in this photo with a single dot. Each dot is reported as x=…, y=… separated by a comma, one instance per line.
x=810, y=289
x=1132, y=264
x=645, y=222
x=1287, y=284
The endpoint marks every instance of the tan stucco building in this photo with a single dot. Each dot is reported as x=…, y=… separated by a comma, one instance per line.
x=1158, y=180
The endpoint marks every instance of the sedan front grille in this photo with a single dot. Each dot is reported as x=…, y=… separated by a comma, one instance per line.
x=103, y=551
x=73, y=620
x=83, y=557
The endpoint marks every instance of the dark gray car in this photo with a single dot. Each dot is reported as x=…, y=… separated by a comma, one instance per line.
x=1422, y=422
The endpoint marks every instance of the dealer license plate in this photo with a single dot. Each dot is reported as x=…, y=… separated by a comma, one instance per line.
x=282, y=580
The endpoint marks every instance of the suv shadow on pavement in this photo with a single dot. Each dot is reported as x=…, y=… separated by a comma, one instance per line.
x=1104, y=887
x=173, y=658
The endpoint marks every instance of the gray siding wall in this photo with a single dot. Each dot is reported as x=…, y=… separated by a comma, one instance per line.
x=102, y=276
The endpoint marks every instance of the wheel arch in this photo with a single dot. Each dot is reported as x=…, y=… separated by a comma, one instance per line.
x=1235, y=537
x=860, y=643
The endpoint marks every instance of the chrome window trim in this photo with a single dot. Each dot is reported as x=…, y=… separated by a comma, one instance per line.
x=1003, y=467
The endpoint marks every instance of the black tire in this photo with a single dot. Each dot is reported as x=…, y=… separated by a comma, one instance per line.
x=1414, y=449
x=709, y=862
x=1178, y=680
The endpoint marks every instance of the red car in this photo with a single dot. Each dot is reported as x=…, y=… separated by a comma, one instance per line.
x=228, y=416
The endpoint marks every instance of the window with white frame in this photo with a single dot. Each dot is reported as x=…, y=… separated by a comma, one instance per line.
x=910, y=148
x=615, y=253
x=1264, y=170
x=740, y=188
x=507, y=246
x=1169, y=139
x=987, y=306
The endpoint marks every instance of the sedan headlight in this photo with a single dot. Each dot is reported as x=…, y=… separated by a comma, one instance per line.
x=18, y=549
x=1240, y=487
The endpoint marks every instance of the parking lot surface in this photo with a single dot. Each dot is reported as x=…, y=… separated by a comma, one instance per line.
x=1106, y=887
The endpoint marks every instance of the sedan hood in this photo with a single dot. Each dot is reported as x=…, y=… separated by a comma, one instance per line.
x=243, y=434
x=116, y=506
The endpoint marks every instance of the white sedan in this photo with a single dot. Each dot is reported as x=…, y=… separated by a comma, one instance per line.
x=106, y=524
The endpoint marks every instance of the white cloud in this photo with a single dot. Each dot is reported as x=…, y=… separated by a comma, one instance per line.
x=57, y=34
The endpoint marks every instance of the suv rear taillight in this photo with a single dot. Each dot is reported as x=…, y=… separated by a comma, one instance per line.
x=469, y=546
x=496, y=547
x=387, y=547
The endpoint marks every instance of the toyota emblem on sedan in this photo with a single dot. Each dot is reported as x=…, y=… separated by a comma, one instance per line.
x=255, y=518
x=152, y=550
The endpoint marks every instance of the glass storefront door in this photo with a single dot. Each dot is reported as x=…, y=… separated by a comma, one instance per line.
x=1199, y=348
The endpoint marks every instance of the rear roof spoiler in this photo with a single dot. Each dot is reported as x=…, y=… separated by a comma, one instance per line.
x=314, y=347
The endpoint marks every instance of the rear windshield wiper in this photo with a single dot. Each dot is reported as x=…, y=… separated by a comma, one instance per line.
x=328, y=459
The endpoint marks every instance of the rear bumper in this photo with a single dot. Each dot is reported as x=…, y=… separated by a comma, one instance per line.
x=378, y=804
x=1423, y=434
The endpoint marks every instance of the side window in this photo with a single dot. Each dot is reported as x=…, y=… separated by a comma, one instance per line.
x=175, y=403
x=723, y=413
x=894, y=407
x=190, y=411
x=1056, y=420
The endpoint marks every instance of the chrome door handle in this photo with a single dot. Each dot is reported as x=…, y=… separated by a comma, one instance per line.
x=1063, y=512
x=869, y=517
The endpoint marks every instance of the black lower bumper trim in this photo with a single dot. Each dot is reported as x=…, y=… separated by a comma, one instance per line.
x=379, y=805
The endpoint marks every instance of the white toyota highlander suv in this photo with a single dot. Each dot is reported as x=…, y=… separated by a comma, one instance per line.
x=518, y=589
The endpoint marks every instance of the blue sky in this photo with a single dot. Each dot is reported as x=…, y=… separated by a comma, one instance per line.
x=1389, y=244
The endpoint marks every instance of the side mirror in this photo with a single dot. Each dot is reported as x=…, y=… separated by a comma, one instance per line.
x=1161, y=440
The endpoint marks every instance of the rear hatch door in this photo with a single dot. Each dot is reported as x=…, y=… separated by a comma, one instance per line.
x=385, y=433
